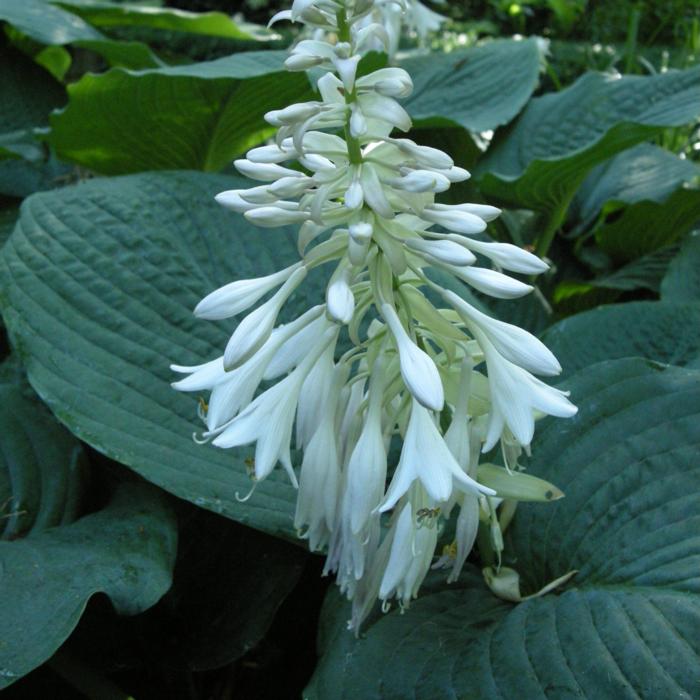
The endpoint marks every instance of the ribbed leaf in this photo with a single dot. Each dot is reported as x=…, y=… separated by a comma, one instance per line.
x=479, y=88
x=542, y=160
x=661, y=331
x=192, y=116
x=682, y=281
x=126, y=550
x=98, y=285
x=627, y=625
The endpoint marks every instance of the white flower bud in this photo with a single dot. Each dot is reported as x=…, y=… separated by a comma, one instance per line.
x=235, y=297
x=264, y=171
x=424, y=155
x=271, y=217
x=443, y=251
x=255, y=328
x=509, y=257
x=514, y=343
x=360, y=236
x=419, y=373
x=340, y=299
x=231, y=199
x=293, y=114
x=454, y=220
x=490, y=282
x=421, y=181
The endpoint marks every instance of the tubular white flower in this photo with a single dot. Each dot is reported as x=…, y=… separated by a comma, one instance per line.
x=515, y=344
x=426, y=457
x=419, y=372
x=443, y=251
x=339, y=298
x=515, y=396
x=491, y=282
x=454, y=219
x=268, y=420
x=238, y=296
x=255, y=328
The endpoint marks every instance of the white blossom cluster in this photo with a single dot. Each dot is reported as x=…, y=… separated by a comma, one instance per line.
x=447, y=382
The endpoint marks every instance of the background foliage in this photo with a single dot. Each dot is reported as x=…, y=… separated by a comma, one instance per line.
x=128, y=566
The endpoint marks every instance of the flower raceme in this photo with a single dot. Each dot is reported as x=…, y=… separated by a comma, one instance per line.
x=364, y=199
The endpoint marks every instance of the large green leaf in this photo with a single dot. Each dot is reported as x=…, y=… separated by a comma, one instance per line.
x=126, y=550
x=52, y=25
x=627, y=625
x=645, y=173
x=193, y=116
x=98, y=283
x=682, y=281
x=662, y=331
x=540, y=162
x=479, y=88
x=28, y=93
x=203, y=115
x=647, y=226
x=42, y=467
x=114, y=14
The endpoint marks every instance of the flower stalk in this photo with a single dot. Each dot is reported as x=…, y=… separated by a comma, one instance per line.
x=365, y=202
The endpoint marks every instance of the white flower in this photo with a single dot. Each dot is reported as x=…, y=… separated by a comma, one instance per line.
x=515, y=396
x=419, y=372
x=514, y=343
x=255, y=328
x=426, y=457
x=268, y=420
x=320, y=474
x=339, y=298
x=238, y=296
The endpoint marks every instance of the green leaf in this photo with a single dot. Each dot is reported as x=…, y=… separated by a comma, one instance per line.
x=682, y=281
x=203, y=115
x=111, y=14
x=126, y=550
x=645, y=173
x=626, y=627
x=20, y=178
x=479, y=88
x=541, y=161
x=42, y=471
x=225, y=594
x=647, y=226
x=28, y=93
x=97, y=285
x=661, y=331
x=193, y=116
x=644, y=273
x=51, y=25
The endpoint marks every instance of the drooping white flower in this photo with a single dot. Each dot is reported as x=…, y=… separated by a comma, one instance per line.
x=513, y=343
x=269, y=419
x=238, y=296
x=426, y=457
x=515, y=396
x=417, y=369
x=255, y=328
